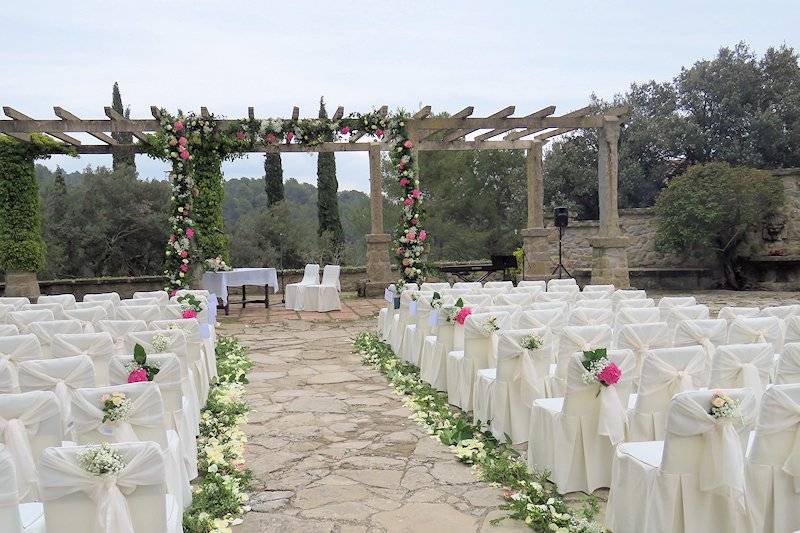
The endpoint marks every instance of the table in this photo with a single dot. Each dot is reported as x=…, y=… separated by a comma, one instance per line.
x=218, y=283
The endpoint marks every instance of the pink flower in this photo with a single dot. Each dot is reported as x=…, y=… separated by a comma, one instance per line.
x=408, y=201
x=189, y=233
x=379, y=133
x=184, y=155
x=184, y=267
x=345, y=130
x=173, y=292
x=289, y=136
x=140, y=374
x=610, y=374
x=183, y=253
x=172, y=238
x=403, y=182
x=178, y=125
x=413, y=221
x=401, y=165
x=183, y=141
x=462, y=314
x=189, y=313
x=410, y=235
x=423, y=235
x=408, y=144
x=416, y=193
x=241, y=135
x=271, y=138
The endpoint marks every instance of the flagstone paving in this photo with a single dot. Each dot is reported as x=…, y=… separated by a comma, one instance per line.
x=330, y=444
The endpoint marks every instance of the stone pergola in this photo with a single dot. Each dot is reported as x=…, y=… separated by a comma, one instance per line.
x=459, y=131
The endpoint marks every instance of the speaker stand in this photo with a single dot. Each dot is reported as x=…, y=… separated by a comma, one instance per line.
x=560, y=268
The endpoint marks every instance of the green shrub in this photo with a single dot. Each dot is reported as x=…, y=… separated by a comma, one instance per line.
x=207, y=207
x=712, y=207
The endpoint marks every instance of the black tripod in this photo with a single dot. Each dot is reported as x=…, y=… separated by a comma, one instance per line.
x=560, y=267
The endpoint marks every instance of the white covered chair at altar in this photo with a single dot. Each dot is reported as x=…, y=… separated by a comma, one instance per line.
x=8, y=330
x=772, y=469
x=731, y=312
x=106, y=305
x=29, y=423
x=161, y=297
x=606, y=289
x=87, y=316
x=76, y=501
x=169, y=379
x=668, y=302
x=471, y=285
x=574, y=437
x=533, y=283
x=16, y=517
x=498, y=285
x=504, y=395
x=23, y=319
x=434, y=286
x=737, y=366
x=98, y=346
x=708, y=333
x=693, y=481
x=14, y=301
x=55, y=308
x=15, y=349
x=573, y=290
x=324, y=297
x=788, y=370
x=46, y=332
x=455, y=293
x=171, y=311
x=61, y=376
x=433, y=359
x=576, y=339
x=119, y=329
x=386, y=314
x=675, y=315
x=66, y=301
x=198, y=347
x=757, y=330
x=665, y=373
x=514, y=298
x=463, y=364
x=642, y=338
x=587, y=316
x=146, y=422
x=294, y=291
x=146, y=313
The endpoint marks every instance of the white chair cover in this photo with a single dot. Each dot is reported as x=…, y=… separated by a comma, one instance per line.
x=591, y=296
x=8, y=330
x=708, y=333
x=66, y=301
x=129, y=502
x=471, y=285
x=772, y=470
x=668, y=302
x=730, y=312
x=98, y=346
x=587, y=316
x=87, y=316
x=555, y=296
x=325, y=296
x=61, y=376
x=698, y=485
x=665, y=373
x=195, y=340
x=576, y=339
x=634, y=302
x=743, y=366
x=498, y=285
x=55, y=308
x=16, y=349
x=628, y=294
x=533, y=283
x=573, y=290
x=427, y=286
x=514, y=298
x=599, y=288
x=112, y=297
x=477, y=299
x=15, y=301
x=294, y=291
x=9, y=495
x=119, y=329
x=7, y=378
x=557, y=282
x=23, y=319
x=161, y=297
x=107, y=305
x=46, y=332
x=147, y=313
x=4, y=311
x=781, y=311
x=791, y=326
x=137, y=302
x=788, y=370
x=493, y=291
x=527, y=289
x=29, y=422
x=574, y=437
x=757, y=330
x=674, y=315
x=635, y=315
x=642, y=338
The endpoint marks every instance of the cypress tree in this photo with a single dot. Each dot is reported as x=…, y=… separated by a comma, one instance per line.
x=121, y=137
x=273, y=178
x=59, y=199
x=327, y=201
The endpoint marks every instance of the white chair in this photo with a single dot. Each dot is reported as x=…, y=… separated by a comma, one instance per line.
x=514, y=298
x=294, y=291
x=107, y=305
x=641, y=338
x=593, y=296
x=633, y=303
x=635, y=315
x=145, y=422
x=8, y=330
x=576, y=339
x=4, y=311
x=386, y=314
x=470, y=285
x=708, y=333
x=98, y=346
x=146, y=313
x=198, y=348
x=498, y=285
x=46, y=332
x=677, y=314
x=161, y=297
x=15, y=301
x=477, y=299
x=418, y=330
x=788, y=370
x=791, y=329
x=23, y=319
x=587, y=316
x=493, y=291
x=609, y=289
x=325, y=296
x=602, y=303
x=668, y=302
x=555, y=296
x=519, y=379
x=533, y=290
x=574, y=437
x=61, y=376
x=8, y=382
x=566, y=282
x=133, y=500
x=16, y=517
x=402, y=318
x=170, y=380
x=772, y=470
x=732, y=312
x=112, y=297
x=14, y=350
x=119, y=329
x=56, y=308
x=427, y=286
x=665, y=373
x=742, y=366
x=627, y=294
x=433, y=359
x=29, y=423
x=693, y=480
x=87, y=316
x=757, y=330
x=541, y=284
x=67, y=301
x=781, y=311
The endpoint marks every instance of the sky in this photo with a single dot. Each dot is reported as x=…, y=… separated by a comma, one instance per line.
x=228, y=55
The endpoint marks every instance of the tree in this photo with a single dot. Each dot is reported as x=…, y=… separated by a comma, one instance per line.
x=330, y=225
x=55, y=227
x=121, y=137
x=712, y=207
x=273, y=178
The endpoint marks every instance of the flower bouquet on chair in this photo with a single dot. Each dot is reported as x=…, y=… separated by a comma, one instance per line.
x=599, y=369
x=139, y=369
x=190, y=306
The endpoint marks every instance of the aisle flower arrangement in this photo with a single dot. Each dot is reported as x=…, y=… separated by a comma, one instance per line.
x=529, y=497
x=220, y=493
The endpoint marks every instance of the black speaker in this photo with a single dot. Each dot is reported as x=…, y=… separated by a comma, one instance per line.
x=561, y=217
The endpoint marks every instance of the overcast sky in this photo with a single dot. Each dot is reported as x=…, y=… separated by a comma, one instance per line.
x=231, y=54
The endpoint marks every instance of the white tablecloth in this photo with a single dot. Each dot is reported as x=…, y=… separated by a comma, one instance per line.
x=218, y=282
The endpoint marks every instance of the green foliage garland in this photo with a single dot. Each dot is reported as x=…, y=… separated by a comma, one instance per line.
x=209, y=223
x=21, y=245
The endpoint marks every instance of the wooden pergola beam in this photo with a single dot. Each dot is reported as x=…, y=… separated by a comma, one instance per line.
x=382, y=112
x=16, y=115
x=538, y=114
x=115, y=115
x=503, y=113
x=464, y=113
x=513, y=136
x=63, y=114
x=339, y=113
x=422, y=113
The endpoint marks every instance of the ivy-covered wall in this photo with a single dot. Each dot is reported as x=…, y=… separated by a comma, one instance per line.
x=207, y=211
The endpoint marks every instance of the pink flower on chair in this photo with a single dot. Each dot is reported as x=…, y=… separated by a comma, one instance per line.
x=462, y=315
x=140, y=374
x=610, y=375
x=189, y=313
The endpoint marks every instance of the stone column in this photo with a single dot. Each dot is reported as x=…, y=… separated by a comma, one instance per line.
x=535, y=236
x=609, y=254
x=378, y=262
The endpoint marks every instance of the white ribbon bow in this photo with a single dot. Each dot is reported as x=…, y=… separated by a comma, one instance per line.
x=781, y=412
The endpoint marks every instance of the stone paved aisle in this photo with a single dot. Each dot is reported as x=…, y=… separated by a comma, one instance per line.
x=331, y=447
